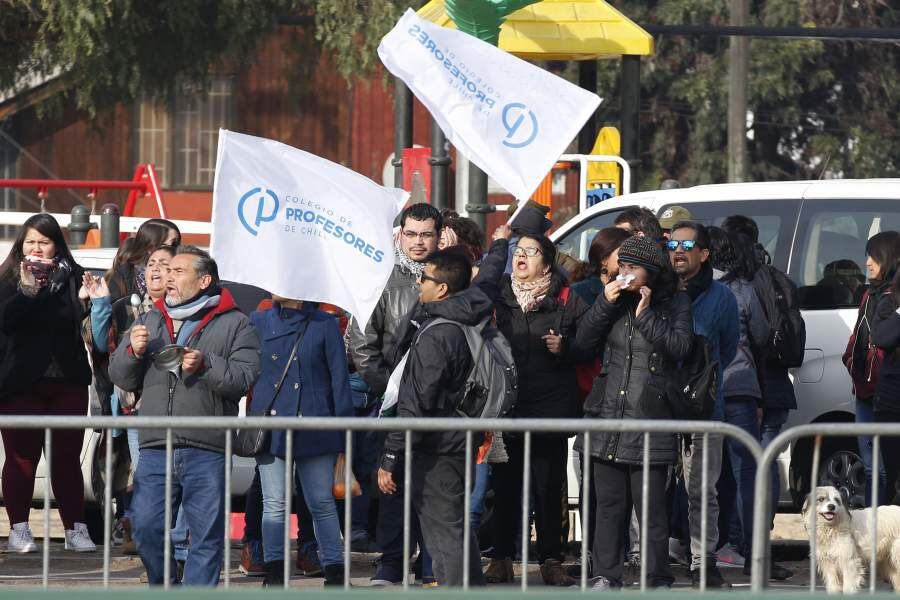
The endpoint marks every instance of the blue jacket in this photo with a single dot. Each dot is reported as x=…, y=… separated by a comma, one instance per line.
x=317, y=385
x=716, y=318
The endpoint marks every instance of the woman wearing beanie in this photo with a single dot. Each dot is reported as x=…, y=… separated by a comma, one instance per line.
x=537, y=314
x=646, y=326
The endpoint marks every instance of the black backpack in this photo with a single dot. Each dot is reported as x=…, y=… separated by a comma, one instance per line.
x=787, y=331
x=691, y=391
x=491, y=389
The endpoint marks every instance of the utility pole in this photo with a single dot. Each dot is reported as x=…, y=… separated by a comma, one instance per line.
x=738, y=62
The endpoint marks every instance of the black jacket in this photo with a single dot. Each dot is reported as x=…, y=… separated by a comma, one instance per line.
x=858, y=346
x=548, y=385
x=641, y=355
x=436, y=371
x=36, y=331
x=886, y=335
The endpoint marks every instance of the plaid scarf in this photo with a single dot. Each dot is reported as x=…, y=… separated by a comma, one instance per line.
x=529, y=294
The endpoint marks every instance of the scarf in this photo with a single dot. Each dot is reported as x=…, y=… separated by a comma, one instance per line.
x=187, y=311
x=416, y=268
x=529, y=294
x=700, y=282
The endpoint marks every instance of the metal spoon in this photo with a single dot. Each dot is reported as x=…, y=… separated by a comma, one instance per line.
x=136, y=305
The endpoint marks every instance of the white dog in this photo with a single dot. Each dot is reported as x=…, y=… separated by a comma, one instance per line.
x=843, y=542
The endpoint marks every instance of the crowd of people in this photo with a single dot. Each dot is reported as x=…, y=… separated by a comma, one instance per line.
x=160, y=335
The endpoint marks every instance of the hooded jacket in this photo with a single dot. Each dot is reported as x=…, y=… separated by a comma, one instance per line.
x=35, y=331
x=436, y=372
x=371, y=351
x=231, y=365
x=641, y=354
x=548, y=385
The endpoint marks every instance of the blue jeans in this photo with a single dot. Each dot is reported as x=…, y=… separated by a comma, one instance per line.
x=479, y=490
x=865, y=414
x=179, y=531
x=740, y=411
x=772, y=421
x=316, y=474
x=198, y=481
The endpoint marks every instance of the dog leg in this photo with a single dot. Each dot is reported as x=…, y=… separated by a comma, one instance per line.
x=852, y=576
x=831, y=577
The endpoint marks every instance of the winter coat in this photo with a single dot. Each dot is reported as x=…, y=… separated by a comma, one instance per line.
x=436, y=371
x=588, y=289
x=741, y=375
x=316, y=384
x=231, y=349
x=371, y=350
x=862, y=371
x=886, y=335
x=641, y=354
x=37, y=331
x=548, y=387
x=715, y=313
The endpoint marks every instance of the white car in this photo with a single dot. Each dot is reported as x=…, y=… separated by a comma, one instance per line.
x=805, y=226
x=93, y=454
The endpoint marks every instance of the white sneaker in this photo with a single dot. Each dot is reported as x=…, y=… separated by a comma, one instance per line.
x=20, y=539
x=78, y=539
x=727, y=556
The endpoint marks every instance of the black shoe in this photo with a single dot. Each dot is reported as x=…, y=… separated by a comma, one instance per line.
x=714, y=579
x=334, y=575
x=776, y=571
x=274, y=574
x=179, y=571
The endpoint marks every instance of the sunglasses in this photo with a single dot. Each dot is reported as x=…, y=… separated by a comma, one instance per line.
x=425, y=277
x=688, y=245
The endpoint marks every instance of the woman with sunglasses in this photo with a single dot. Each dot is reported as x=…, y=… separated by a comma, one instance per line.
x=646, y=326
x=539, y=319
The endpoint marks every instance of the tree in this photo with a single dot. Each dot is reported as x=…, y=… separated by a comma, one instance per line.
x=814, y=106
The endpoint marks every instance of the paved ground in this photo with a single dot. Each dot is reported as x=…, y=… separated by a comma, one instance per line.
x=70, y=570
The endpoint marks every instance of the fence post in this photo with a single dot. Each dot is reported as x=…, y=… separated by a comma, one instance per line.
x=79, y=225
x=109, y=226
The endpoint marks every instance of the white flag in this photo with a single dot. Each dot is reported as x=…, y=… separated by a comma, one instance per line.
x=509, y=117
x=300, y=226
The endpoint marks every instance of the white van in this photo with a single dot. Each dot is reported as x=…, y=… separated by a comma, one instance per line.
x=805, y=226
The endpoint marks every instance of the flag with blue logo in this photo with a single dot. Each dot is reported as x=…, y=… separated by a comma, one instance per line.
x=510, y=118
x=300, y=226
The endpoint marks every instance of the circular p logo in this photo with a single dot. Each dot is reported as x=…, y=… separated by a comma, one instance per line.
x=259, y=206
x=520, y=123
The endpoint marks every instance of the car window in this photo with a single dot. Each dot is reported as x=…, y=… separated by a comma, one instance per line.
x=830, y=258
x=776, y=220
x=577, y=242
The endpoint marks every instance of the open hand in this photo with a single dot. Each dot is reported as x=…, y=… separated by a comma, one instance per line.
x=95, y=286
x=613, y=290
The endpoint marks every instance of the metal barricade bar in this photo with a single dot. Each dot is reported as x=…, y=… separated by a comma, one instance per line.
x=348, y=425
x=762, y=507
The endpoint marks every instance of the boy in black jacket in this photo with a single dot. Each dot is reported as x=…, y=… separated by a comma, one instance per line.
x=436, y=371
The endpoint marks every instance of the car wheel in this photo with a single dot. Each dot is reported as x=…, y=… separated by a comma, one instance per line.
x=842, y=468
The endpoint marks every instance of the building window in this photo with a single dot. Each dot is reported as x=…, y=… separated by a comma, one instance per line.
x=180, y=137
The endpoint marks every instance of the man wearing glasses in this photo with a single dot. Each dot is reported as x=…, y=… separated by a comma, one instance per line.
x=374, y=354
x=715, y=313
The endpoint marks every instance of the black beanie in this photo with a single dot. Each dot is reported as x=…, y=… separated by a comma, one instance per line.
x=531, y=220
x=642, y=251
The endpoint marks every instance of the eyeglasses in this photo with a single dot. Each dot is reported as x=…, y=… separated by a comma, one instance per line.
x=424, y=277
x=425, y=235
x=530, y=251
x=688, y=245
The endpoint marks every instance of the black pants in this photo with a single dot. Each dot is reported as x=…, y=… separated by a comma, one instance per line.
x=890, y=453
x=438, y=498
x=548, y=482
x=611, y=482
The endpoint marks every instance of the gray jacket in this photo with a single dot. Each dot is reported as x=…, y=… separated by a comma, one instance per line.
x=741, y=377
x=372, y=352
x=231, y=347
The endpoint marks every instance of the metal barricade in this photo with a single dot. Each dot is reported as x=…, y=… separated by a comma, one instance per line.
x=349, y=425
x=762, y=508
